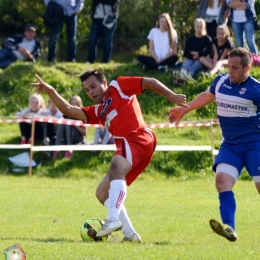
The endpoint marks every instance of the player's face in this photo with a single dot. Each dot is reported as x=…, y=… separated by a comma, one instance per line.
x=94, y=89
x=236, y=71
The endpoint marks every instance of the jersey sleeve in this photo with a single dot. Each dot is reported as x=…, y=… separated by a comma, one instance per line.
x=90, y=112
x=212, y=87
x=130, y=85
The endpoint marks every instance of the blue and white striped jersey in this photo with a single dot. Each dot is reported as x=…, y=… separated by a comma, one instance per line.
x=238, y=108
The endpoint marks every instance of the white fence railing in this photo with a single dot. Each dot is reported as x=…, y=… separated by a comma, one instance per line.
x=108, y=147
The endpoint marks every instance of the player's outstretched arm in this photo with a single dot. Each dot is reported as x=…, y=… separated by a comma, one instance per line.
x=203, y=99
x=159, y=87
x=62, y=104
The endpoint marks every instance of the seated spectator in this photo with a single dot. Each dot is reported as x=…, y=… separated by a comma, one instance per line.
x=222, y=45
x=162, y=45
x=103, y=136
x=23, y=47
x=50, y=129
x=214, y=12
x=197, y=46
x=70, y=134
x=36, y=107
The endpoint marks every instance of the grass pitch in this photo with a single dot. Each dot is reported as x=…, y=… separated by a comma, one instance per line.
x=44, y=217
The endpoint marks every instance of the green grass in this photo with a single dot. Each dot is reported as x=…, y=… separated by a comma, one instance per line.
x=44, y=216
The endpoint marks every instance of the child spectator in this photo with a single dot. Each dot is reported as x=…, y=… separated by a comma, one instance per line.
x=197, y=46
x=162, y=45
x=222, y=45
x=214, y=12
x=103, y=136
x=70, y=134
x=36, y=106
x=50, y=129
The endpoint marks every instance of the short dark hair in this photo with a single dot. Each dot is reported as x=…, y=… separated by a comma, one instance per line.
x=98, y=74
x=245, y=55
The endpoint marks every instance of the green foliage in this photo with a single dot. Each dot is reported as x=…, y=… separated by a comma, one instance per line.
x=15, y=90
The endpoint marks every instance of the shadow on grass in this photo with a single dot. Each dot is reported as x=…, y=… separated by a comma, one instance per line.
x=46, y=240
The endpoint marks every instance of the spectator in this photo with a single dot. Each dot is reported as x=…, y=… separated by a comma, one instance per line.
x=101, y=9
x=241, y=16
x=70, y=134
x=197, y=46
x=50, y=129
x=36, y=106
x=23, y=47
x=162, y=45
x=103, y=136
x=222, y=45
x=214, y=12
x=70, y=10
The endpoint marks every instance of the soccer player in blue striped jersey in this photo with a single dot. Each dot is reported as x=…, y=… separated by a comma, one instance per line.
x=237, y=96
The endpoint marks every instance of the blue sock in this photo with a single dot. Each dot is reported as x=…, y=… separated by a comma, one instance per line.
x=227, y=208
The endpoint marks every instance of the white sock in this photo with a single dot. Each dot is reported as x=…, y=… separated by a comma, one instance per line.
x=117, y=195
x=127, y=228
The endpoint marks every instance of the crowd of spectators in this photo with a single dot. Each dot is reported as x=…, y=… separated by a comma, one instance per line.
x=205, y=52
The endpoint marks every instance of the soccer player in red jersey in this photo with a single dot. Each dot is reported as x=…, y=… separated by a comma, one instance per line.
x=119, y=111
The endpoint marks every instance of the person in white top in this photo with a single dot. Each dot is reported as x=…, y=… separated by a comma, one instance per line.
x=163, y=42
x=241, y=16
x=36, y=106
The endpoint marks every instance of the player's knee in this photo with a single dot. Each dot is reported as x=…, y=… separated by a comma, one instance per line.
x=224, y=182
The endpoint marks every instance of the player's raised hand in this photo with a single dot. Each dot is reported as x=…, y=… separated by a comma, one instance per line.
x=180, y=100
x=176, y=114
x=41, y=86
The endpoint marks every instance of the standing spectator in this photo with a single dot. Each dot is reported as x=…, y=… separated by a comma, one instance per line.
x=162, y=45
x=101, y=9
x=241, y=16
x=36, y=106
x=70, y=10
x=102, y=136
x=214, y=12
x=222, y=45
x=50, y=129
x=70, y=134
x=23, y=47
x=197, y=46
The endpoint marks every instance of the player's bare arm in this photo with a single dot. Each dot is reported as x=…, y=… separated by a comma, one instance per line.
x=63, y=105
x=160, y=88
x=203, y=99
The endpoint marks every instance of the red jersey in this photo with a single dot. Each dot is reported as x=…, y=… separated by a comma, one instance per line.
x=119, y=112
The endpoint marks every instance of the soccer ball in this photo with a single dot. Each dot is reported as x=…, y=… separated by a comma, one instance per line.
x=90, y=229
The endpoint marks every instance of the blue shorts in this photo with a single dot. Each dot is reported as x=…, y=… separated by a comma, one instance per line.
x=240, y=155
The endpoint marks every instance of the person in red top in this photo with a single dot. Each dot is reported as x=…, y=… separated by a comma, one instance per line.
x=119, y=111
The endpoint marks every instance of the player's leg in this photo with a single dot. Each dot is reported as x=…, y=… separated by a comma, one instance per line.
x=225, y=180
x=252, y=163
x=227, y=166
x=117, y=193
x=102, y=195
